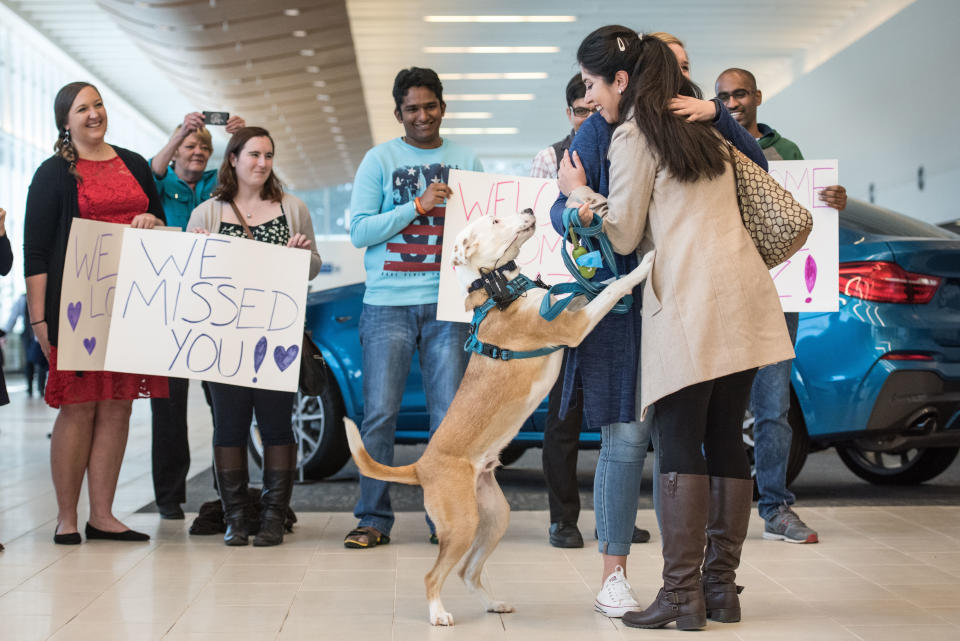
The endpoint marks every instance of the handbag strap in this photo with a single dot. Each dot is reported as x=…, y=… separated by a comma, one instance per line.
x=246, y=227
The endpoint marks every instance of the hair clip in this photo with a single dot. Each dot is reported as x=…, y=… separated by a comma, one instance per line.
x=640, y=36
x=621, y=44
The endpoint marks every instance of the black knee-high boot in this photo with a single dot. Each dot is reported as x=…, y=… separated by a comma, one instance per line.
x=279, y=469
x=684, y=501
x=730, y=502
x=230, y=466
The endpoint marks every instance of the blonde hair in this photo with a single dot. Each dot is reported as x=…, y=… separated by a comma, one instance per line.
x=203, y=134
x=667, y=38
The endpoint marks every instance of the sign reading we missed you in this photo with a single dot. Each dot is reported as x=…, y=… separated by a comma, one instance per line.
x=478, y=194
x=807, y=282
x=215, y=308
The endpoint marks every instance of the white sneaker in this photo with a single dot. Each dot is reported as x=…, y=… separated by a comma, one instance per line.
x=616, y=596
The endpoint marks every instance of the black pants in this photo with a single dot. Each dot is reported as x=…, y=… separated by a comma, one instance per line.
x=561, y=443
x=701, y=427
x=171, y=449
x=234, y=408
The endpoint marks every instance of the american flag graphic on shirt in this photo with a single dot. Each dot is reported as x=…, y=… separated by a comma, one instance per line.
x=416, y=249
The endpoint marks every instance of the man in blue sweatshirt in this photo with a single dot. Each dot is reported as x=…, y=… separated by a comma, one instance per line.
x=397, y=212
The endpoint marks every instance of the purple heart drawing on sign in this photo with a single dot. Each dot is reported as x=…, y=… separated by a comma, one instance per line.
x=810, y=275
x=89, y=344
x=73, y=314
x=284, y=357
x=259, y=353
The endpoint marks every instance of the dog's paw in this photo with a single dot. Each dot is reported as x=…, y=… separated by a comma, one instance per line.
x=499, y=606
x=441, y=618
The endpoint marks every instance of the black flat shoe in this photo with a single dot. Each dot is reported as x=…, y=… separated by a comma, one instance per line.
x=126, y=535
x=73, y=538
x=565, y=535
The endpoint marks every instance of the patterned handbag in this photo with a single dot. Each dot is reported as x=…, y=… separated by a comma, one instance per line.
x=777, y=223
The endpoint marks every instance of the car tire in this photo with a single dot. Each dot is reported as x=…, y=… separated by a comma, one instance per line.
x=908, y=468
x=799, y=443
x=318, y=429
x=511, y=454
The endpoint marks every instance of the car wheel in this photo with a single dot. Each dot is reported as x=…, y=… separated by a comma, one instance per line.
x=318, y=429
x=511, y=454
x=912, y=467
x=799, y=443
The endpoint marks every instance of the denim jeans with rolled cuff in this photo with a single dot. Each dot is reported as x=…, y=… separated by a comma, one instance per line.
x=389, y=336
x=616, y=484
x=772, y=434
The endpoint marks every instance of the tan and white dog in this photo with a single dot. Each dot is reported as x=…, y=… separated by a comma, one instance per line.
x=456, y=471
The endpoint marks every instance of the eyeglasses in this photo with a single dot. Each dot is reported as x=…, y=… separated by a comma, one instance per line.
x=582, y=112
x=739, y=94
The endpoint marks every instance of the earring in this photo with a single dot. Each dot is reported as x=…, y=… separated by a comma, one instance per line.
x=66, y=136
x=620, y=90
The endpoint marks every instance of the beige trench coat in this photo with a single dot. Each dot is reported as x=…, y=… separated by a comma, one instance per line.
x=709, y=306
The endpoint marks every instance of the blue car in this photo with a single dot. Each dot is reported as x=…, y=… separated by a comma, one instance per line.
x=879, y=379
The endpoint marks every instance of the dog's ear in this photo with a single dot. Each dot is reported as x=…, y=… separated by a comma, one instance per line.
x=463, y=250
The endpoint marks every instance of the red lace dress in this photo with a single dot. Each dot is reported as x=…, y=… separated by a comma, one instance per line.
x=108, y=193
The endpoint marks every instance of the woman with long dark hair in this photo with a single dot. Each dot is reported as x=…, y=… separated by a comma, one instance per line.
x=711, y=314
x=249, y=202
x=85, y=178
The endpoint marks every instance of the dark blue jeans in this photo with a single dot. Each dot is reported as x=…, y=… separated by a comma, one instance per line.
x=770, y=403
x=389, y=337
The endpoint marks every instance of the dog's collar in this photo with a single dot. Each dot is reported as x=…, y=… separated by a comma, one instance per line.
x=508, y=291
x=500, y=290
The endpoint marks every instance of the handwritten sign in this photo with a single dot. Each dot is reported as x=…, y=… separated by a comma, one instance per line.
x=808, y=281
x=86, y=295
x=215, y=308
x=478, y=194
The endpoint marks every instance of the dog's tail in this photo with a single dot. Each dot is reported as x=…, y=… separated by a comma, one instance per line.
x=368, y=467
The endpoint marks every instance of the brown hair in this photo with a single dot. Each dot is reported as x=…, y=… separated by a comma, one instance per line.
x=64, y=146
x=226, y=190
x=689, y=150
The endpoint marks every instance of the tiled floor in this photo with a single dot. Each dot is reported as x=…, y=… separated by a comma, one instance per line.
x=879, y=574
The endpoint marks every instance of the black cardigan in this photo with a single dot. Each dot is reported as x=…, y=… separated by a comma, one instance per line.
x=51, y=207
x=6, y=255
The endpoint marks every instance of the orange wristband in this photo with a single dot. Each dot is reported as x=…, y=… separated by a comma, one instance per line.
x=420, y=209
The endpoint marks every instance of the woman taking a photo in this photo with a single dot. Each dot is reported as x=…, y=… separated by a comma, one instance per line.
x=711, y=315
x=249, y=202
x=85, y=178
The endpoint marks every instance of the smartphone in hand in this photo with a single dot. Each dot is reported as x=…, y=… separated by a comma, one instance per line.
x=216, y=117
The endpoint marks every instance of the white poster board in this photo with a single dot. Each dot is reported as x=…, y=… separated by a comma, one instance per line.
x=479, y=194
x=215, y=308
x=86, y=295
x=808, y=281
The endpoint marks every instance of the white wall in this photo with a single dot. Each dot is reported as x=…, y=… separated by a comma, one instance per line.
x=884, y=106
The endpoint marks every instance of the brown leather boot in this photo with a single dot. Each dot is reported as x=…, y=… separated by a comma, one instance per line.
x=279, y=469
x=730, y=504
x=230, y=467
x=684, y=502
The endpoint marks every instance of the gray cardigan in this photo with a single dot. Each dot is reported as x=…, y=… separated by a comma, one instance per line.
x=209, y=213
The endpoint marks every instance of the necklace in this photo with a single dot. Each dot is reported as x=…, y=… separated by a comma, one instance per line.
x=236, y=210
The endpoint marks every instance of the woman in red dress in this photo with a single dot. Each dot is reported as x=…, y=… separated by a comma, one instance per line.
x=85, y=178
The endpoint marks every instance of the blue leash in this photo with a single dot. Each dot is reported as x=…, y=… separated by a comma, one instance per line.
x=593, y=239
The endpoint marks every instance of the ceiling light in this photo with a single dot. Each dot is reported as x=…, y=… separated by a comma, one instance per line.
x=313, y=69
x=520, y=75
x=461, y=131
x=336, y=130
x=307, y=52
x=489, y=96
x=319, y=83
x=291, y=12
x=322, y=97
x=299, y=33
x=332, y=120
x=491, y=49
x=339, y=139
x=329, y=109
x=468, y=115
x=499, y=18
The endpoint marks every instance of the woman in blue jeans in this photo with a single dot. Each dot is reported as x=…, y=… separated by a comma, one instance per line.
x=606, y=361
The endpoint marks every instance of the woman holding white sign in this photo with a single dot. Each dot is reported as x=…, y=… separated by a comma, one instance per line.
x=85, y=178
x=249, y=202
x=711, y=315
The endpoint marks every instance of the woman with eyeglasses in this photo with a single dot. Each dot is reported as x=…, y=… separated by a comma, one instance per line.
x=607, y=360
x=711, y=314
